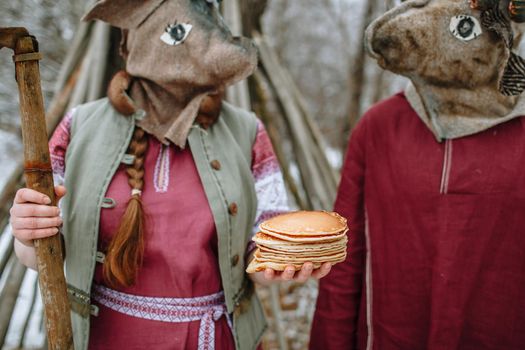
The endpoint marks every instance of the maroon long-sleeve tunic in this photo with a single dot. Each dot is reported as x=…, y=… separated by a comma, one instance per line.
x=436, y=243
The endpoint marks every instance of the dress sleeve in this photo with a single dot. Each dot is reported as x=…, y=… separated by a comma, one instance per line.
x=269, y=185
x=58, y=147
x=337, y=312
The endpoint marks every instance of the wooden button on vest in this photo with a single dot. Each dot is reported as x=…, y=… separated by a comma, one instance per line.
x=235, y=260
x=215, y=164
x=232, y=209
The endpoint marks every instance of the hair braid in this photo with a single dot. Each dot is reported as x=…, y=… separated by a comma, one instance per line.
x=125, y=252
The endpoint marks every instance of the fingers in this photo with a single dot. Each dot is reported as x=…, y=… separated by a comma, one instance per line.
x=60, y=191
x=288, y=273
x=26, y=237
x=32, y=223
x=26, y=195
x=269, y=274
x=322, y=271
x=305, y=273
x=32, y=217
x=37, y=210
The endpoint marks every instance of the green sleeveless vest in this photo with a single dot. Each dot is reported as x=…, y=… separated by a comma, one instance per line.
x=99, y=139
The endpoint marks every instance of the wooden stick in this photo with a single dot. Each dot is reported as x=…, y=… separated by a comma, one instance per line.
x=237, y=94
x=27, y=319
x=273, y=133
x=275, y=300
x=74, y=56
x=38, y=174
x=9, y=294
x=4, y=259
x=316, y=187
x=100, y=46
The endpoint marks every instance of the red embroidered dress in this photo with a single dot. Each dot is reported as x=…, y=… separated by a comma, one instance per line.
x=180, y=258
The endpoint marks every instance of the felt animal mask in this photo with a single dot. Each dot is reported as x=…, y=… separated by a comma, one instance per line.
x=178, y=51
x=415, y=40
x=458, y=58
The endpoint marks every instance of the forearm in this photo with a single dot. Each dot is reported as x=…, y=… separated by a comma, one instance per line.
x=26, y=255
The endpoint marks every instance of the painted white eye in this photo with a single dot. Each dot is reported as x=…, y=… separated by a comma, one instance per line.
x=465, y=28
x=176, y=34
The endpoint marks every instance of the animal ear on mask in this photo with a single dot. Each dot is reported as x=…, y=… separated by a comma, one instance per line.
x=512, y=82
x=124, y=14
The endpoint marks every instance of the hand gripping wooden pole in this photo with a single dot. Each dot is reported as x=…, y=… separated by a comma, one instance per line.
x=39, y=177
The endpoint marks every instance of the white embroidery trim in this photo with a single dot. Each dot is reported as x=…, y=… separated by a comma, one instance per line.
x=161, y=178
x=206, y=309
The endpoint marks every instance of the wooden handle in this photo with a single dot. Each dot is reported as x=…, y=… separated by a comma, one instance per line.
x=39, y=177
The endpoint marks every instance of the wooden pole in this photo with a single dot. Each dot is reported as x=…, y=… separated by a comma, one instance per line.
x=38, y=175
x=275, y=137
x=25, y=326
x=237, y=94
x=4, y=259
x=9, y=294
x=357, y=74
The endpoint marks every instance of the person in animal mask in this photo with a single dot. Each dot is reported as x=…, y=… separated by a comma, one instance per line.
x=167, y=185
x=434, y=191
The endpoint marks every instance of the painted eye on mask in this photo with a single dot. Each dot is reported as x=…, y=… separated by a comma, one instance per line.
x=465, y=28
x=176, y=33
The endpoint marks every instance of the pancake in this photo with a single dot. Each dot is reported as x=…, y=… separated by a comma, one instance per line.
x=262, y=239
x=305, y=223
x=297, y=238
x=304, y=253
x=307, y=248
x=261, y=256
x=307, y=239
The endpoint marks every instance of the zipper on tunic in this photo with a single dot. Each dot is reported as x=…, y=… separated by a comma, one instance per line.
x=447, y=165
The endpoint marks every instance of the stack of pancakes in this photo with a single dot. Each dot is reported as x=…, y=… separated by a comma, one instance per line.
x=296, y=238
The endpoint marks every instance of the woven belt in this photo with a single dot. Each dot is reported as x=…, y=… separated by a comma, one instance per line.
x=206, y=309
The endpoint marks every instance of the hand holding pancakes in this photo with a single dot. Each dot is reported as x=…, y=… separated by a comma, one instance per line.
x=298, y=245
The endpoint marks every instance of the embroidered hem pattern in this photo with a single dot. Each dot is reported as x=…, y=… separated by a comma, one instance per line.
x=207, y=309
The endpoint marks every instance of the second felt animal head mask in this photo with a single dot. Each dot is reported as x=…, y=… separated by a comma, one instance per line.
x=462, y=43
